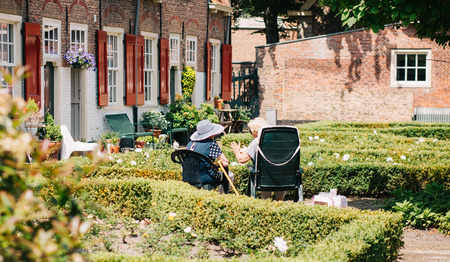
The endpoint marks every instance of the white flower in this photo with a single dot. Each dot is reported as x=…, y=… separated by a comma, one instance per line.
x=146, y=155
x=138, y=150
x=402, y=157
x=409, y=149
x=272, y=248
x=336, y=154
x=310, y=138
x=322, y=140
x=316, y=137
x=435, y=140
x=119, y=161
x=172, y=216
x=346, y=157
x=422, y=140
x=355, y=137
x=375, y=132
x=136, y=222
x=233, y=164
x=176, y=145
x=389, y=159
x=133, y=163
x=110, y=158
x=310, y=163
x=281, y=244
x=188, y=229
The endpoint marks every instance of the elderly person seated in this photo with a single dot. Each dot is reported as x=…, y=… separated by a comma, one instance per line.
x=202, y=141
x=244, y=154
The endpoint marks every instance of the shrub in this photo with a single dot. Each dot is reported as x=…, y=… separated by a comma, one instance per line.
x=50, y=131
x=243, y=223
x=188, y=80
x=154, y=119
x=31, y=230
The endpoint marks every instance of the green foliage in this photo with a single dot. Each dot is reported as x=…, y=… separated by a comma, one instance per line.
x=110, y=137
x=31, y=230
x=154, y=119
x=427, y=17
x=188, y=80
x=184, y=114
x=50, y=131
x=244, y=114
x=243, y=223
x=423, y=209
x=32, y=106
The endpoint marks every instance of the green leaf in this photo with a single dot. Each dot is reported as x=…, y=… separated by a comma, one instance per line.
x=374, y=10
x=375, y=28
x=351, y=21
x=394, y=14
x=413, y=16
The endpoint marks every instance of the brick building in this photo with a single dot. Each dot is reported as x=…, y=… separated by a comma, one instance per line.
x=143, y=70
x=353, y=76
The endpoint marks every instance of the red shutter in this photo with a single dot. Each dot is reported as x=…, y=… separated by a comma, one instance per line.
x=226, y=72
x=140, y=68
x=102, y=67
x=163, y=71
x=208, y=70
x=130, y=77
x=32, y=34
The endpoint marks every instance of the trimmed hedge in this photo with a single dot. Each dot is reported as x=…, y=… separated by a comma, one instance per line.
x=312, y=232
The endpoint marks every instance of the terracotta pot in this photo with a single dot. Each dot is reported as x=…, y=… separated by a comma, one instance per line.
x=114, y=149
x=52, y=147
x=156, y=132
x=218, y=103
x=139, y=144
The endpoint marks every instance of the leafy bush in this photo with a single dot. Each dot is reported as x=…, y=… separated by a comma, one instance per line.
x=50, y=131
x=243, y=223
x=31, y=230
x=188, y=80
x=154, y=119
x=424, y=209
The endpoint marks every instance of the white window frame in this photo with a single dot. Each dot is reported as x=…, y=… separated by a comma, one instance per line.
x=215, y=68
x=54, y=57
x=150, y=87
x=406, y=83
x=76, y=42
x=191, y=51
x=117, y=69
x=174, y=49
x=15, y=52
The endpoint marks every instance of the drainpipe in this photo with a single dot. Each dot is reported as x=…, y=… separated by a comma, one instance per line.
x=206, y=45
x=136, y=25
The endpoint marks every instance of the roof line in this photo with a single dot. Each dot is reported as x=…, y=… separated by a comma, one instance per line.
x=316, y=37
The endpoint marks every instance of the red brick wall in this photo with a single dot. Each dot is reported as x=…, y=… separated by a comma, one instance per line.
x=192, y=18
x=347, y=77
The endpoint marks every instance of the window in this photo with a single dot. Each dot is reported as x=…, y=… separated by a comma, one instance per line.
x=113, y=67
x=7, y=50
x=78, y=39
x=174, y=49
x=149, y=70
x=51, y=40
x=411, y=68
x=215, y=67
x=191, y=51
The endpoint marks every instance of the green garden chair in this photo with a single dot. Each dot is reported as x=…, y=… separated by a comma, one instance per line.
x=277, y=165
x=121, y=124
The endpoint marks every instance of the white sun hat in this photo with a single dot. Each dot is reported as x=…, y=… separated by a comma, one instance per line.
x=206, y=129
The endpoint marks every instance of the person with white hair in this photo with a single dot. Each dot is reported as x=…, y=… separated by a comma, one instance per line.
x=202, y=141
x=244, y=154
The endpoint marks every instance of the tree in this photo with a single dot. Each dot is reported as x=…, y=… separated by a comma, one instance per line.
x=431, y=18
x=270, y=11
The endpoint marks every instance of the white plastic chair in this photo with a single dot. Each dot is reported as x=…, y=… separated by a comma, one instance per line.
x=68, y=145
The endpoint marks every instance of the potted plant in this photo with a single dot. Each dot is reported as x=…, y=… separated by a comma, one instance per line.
x=111, y=140
x=218, y=103
x=155, y=121
x=32, y=109
x=51, y=132
x=80, y=59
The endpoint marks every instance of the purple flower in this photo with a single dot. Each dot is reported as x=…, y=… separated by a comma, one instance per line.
x=78, y=56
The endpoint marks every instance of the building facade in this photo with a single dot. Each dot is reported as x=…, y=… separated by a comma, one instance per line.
x=353, y=76
x=140, y=48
